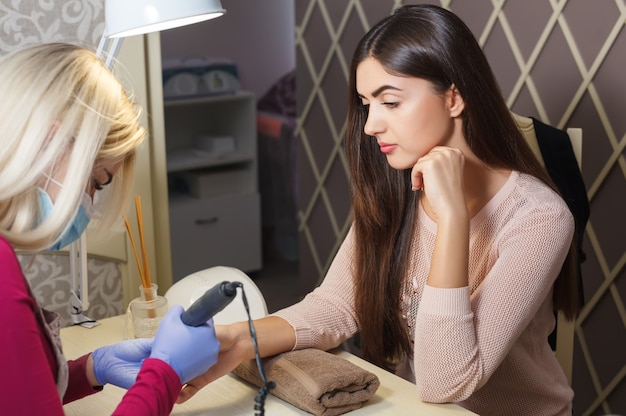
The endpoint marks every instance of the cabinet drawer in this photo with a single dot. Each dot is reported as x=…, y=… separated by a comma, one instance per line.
x=206, y=232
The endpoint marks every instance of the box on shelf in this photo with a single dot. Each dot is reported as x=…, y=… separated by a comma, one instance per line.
x=213, y=182
x=214, y=144
x=199, y=76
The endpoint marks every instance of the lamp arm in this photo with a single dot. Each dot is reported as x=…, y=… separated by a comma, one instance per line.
x=108, y=49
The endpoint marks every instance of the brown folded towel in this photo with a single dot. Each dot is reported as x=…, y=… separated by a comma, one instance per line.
x=315, y=381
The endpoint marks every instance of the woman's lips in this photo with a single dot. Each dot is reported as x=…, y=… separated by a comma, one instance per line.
x=386, y=147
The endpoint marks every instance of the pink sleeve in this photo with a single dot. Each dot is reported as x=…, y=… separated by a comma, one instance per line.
x=460, y=340
x=78, y=386
x=326, y=316
x=27, y=383
x=154, y=393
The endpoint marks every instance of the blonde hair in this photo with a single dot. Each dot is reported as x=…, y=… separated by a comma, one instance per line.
x=60, y=103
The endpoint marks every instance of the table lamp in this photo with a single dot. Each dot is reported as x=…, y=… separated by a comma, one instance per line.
x=129, y=18
x=137, y=17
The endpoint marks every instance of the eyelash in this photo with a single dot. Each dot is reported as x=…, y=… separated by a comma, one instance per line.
x=99, y=186
x=390, y=105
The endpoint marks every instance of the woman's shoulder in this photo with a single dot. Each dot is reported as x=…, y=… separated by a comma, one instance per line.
x=6, y=249
x=530, y=196
x=9, y=263
x=15, y=291
x=522, y=192
x=537, y=191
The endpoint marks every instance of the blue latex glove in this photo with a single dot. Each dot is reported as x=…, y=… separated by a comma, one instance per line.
x=118, y=364
x=189, y=350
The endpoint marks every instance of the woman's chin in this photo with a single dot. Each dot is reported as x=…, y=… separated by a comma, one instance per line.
x=400, y=164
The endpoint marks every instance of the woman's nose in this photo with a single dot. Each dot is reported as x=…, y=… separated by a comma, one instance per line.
x=372, y=125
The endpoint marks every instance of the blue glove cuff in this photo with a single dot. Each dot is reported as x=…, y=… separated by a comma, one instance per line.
x=97, y=355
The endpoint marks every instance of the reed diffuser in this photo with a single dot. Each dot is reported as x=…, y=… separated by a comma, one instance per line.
x=145, y=312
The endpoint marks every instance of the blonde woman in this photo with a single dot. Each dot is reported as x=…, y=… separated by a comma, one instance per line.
x=67, y=131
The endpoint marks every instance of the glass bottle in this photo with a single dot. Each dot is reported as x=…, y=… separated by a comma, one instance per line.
x=145, y=313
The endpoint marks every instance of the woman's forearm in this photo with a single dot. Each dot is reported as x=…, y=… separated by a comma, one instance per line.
x=449, y=263
x=274, y=335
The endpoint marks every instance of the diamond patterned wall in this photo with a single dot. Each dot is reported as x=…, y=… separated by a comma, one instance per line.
x=561, y=61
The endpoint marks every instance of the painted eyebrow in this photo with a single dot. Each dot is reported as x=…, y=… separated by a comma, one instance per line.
x=380, y=90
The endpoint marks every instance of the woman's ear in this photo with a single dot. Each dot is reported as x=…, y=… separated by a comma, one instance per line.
x=455, y=101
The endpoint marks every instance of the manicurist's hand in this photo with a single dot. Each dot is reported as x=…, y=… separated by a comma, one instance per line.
x=274, y=335
x=231, y=354
x=189, y=350
x=118, y=364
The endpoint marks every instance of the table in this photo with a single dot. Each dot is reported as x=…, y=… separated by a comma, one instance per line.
x=230, y=395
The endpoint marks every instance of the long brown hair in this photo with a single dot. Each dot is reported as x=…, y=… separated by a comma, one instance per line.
x=431, y=43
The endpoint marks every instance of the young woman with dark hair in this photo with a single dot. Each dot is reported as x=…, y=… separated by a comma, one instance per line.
x=461, y=247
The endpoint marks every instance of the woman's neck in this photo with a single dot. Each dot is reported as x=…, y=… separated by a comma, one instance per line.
x=482, y=183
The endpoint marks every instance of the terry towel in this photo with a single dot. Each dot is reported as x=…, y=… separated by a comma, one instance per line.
x=313, y=380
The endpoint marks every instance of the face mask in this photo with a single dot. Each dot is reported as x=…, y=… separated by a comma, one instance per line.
x=79, y=224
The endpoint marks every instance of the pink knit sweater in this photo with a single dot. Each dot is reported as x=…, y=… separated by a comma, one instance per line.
x=483, y=346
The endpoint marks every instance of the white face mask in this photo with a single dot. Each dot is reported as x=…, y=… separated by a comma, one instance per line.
x=79, y=223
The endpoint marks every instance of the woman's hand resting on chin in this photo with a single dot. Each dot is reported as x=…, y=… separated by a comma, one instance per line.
x=439, y=174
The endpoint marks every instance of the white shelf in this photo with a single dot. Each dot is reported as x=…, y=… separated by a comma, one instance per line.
x=220, y=186
x=207, y=99
x=187, y=159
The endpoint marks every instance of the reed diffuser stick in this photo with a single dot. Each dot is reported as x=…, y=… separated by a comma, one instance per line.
x=147, y=283
x=142, y=265
x=132, y=242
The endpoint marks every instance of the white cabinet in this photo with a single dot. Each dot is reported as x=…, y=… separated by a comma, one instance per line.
x=214, y=203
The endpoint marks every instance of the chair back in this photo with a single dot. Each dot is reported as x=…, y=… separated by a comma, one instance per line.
x=563, y=161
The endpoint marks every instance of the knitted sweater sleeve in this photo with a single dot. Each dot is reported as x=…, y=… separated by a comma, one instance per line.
x=461, y=339
x=326, y=316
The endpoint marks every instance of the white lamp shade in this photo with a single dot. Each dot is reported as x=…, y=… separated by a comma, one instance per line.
x=135, y=17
